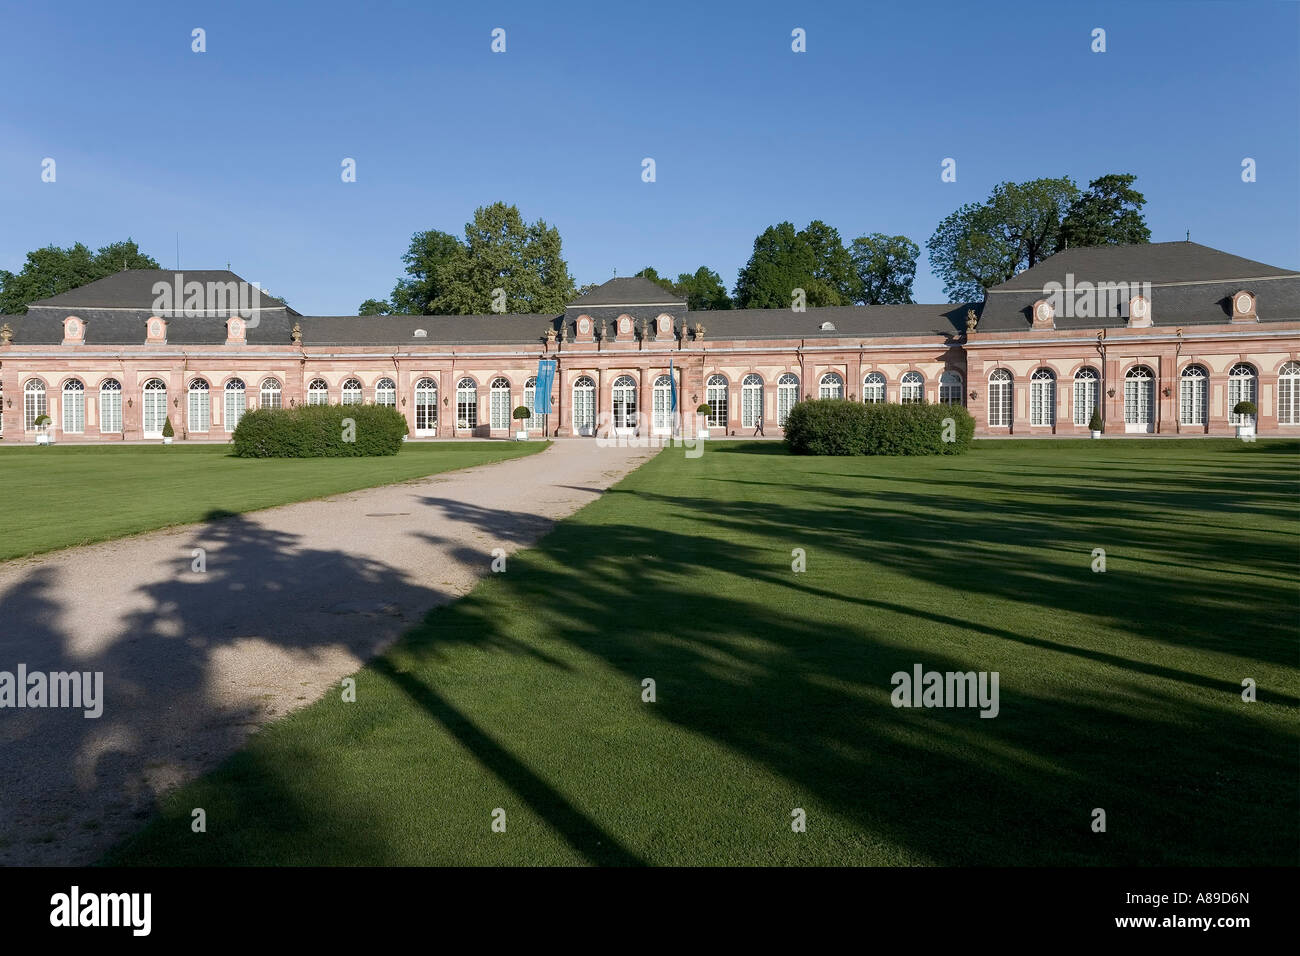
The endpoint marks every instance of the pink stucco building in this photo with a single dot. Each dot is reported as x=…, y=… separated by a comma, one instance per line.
x=1166, y=338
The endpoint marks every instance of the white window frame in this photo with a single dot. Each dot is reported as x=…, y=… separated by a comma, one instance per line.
x=534, y=421
x=74, y=407
x=1193, y=395
x=661, y=402
x=1001, y=400
x=1087, y=386
x=874, y=388
x=751, y=400
x=271, y=394
x=234, y=404
x=1243, y=386
x=1288, y=394
x=36, y=403
x=318, y=392
x=951, y=386
x=153, y=398
x=787, y=396
x=584, y=405
x=426, y=406
x=831, y=385
x=1042, y=397
x=1139, y=398
x=110, y=407
x=623, y=403
x=386, y=392
x=715, y=394
x=352, y=392
x=198, y=406
x=467, y=403
x=911, y=388
x=499, y=404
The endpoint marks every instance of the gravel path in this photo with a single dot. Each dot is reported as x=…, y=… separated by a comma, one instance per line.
x=292, y=600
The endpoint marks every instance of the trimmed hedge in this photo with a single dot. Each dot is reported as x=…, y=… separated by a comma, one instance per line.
x=319, y=431
x=837, y=426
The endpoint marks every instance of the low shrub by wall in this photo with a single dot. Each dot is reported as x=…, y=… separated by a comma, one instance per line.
x=320, y=431
x=836, y=426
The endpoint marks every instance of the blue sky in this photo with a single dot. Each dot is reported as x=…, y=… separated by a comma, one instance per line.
x=239, y=149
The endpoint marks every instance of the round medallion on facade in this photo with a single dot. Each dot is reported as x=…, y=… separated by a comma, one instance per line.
x=1044, y=312
x=1139, y=306
x=1243, y=303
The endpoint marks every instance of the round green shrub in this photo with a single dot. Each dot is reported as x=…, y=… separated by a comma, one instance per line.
x=320, y=431
x=1244, y=408
x=703, y=409
x=837, y=426
x=521, y=413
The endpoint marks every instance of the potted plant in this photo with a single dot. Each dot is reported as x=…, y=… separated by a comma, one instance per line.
x=168, y=432
x=702, y=429
x=43, y=436
x=1248, y=411
x=1094, y=423
x=521, y=415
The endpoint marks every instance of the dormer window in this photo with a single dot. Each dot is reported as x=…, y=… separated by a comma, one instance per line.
x=421, y=333
x=828, y=326
x=74, y=331
x=234, y=331
x=1243, y=307
x=155, y=330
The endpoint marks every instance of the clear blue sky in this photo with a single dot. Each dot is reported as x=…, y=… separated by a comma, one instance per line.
x=238, y=149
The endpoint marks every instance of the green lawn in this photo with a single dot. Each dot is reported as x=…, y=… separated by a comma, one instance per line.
x=1119, y=690
x=77, y=494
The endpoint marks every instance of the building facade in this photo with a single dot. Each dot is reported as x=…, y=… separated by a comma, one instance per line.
x=1165, y=338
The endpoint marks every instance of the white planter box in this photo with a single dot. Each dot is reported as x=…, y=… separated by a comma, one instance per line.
x=702, y=433
x=1246, y=431
x=44, y=438
x=1093, y=434
x=521, y=436
x=167, y=441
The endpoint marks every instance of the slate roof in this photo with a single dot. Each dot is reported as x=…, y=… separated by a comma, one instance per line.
x=1190, y=284
x=133, y=289
x=399, y=330
x=127, y=327
x=631, y=290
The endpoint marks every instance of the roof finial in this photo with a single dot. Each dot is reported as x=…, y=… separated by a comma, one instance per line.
x=1189, y=235
x=616, y=272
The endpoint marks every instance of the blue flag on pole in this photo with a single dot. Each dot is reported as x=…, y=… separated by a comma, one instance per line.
x=672, y=385
x=545, y=379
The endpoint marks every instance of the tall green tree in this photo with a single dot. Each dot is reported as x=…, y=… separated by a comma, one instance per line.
x=886, y=267
x=52, y=270
x=375, y=307
x=983, y=244
x=1107, y=213
x=428, y=252
x=702, y=289
x=502, y=251
x=813, y=259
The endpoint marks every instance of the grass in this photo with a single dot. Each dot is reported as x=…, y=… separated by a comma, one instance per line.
x=77, y=494
x=1119, y=690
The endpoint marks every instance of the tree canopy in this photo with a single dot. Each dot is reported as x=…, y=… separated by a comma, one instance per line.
x=52, y=270
x=813, y=259
x=984, y=244
x=885, y=268
x=703, y=289
x=1109, y=212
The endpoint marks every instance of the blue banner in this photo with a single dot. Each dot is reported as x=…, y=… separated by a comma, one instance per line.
x=672, y=384
x=545, y=379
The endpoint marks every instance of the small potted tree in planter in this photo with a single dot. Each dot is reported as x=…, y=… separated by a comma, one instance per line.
x=168, y=432
x=1248, y=411
x=43, y=436
x=521, y=415
x=1094, y=423
x=702, y=428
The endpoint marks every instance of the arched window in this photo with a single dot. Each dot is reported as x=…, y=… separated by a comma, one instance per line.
x=832, y=386
x=1288, y=394
x=110, y=407
x=499, y=403
x=623, y=395
x=716, y=396
x=1086, y=381
x=426, y=407
x=154, y=410
x=584, y=405
x=74, y=407
x=912, y=391
x=1000, y=389
x=318, y=392
x=270, y=394
x=386, y=392
x=1193, y=396
x=199, y=406
x=34, y=403
x=351, y=392
x=873, y=388
x=950, y=388
x=787, y=393
x=1243, y=386
x=467, y=403
x=1139, y=397
x=1042, y=397
x=662, y=406
x=751, y=400
x=534, y=421
x=236, y=402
